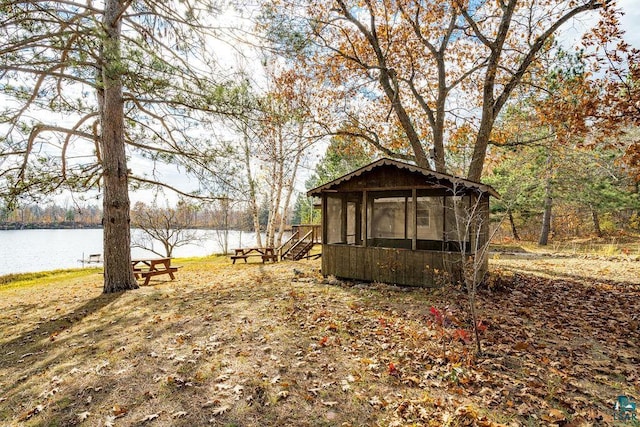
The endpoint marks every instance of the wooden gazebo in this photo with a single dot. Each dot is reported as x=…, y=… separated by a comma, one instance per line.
x=394, y=222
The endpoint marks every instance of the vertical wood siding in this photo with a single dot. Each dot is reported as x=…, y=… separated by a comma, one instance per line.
x=388, y=265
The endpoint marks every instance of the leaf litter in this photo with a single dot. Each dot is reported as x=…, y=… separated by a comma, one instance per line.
x=249, y=345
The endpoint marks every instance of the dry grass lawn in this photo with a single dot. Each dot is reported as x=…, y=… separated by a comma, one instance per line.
x=275, y=345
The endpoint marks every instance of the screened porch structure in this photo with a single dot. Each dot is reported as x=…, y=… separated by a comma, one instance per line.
x=394, y=222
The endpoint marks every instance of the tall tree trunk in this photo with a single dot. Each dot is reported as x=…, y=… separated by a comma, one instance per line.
x=225, y=225
x=546, y=222
x=118, y=275
x=277, y=187
x=393, y=94
x=596, y=222
x=288, y=194
x=438, y=121
x=481, y=144
x=271, y=221
x=514, y=230
x=548, y=203
x=253, y=202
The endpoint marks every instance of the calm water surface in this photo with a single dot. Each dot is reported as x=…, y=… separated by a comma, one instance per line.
x=23, y=251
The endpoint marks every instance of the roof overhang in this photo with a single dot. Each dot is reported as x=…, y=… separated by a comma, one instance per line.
x=453, y=181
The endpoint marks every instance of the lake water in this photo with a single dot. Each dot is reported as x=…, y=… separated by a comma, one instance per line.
x=23, y=251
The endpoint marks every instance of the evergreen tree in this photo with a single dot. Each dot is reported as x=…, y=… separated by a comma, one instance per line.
x=343, y=156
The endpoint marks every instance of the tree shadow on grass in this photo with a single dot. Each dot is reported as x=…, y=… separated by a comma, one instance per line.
x=35, y=343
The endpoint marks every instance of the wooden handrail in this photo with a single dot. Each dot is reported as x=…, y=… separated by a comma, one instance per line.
x=317, y=228
x=281, y=251
x=304, y=238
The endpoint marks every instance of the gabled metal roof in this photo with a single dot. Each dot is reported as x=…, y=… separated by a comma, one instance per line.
x=429, y=174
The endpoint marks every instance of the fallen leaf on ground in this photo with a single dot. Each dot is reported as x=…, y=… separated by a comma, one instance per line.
x=220, y=410
x=149, y=417
x=553, y=416
x=119, y=411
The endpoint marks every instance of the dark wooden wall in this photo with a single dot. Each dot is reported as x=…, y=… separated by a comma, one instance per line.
x=388, y=265
x=392, y=260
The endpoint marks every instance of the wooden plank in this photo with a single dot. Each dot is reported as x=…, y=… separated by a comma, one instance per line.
x=377, y=260
x=414, y=268
x=359, y=254
x=352, y=255
x=234, y=258
x=413, y=217
x=409, y=267
x=424, y=275
x=327, y=256
x=365, y=220
x=342, y=261
x=148, y=274
x=392, y=265
x=380, y=260
x=347, y=268
x=400, y=267
x=385, y=264
x=369, y=263
x=325, y=220
x=437, y=266
x=395, y=266
x=338, y=261
x=428, y=278
x=389, y=265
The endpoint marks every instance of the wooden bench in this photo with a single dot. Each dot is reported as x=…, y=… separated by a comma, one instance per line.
x=96, y=258
x=147, y=268
x=267, y=254
x=237, y=257
x=92, y=259
x=269, y=257
x=148, y=274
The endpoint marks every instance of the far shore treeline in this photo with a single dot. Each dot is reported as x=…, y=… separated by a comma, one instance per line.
x=47, y=225
x=52, y=216
x=49, y=216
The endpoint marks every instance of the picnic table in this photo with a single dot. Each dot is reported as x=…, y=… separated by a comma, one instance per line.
x=267, y=254
x=149, y=267
x=92, y=259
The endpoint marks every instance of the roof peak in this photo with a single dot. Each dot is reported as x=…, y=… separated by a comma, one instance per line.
x=452, y=179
